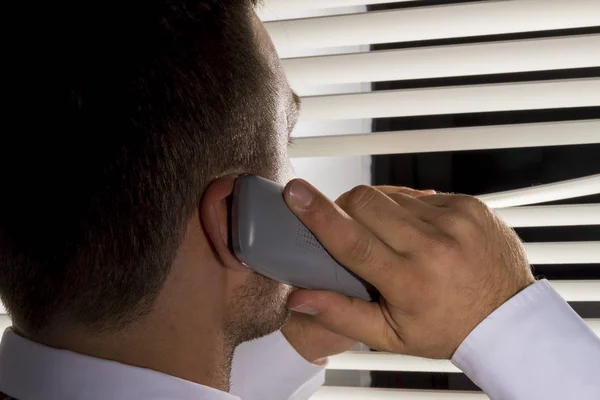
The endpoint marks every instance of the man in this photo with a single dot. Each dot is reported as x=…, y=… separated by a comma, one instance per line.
x=130, y=123
x=113, y=245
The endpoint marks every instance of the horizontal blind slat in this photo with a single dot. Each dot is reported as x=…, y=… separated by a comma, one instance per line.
x=563, y=253
x=568, y=189
x=272, y=7
x=425, y=23
x=449, y=139
x=446, y=61
x=561, y=215
x=577, y=290
x=454, y=100
x=361, y=393
x=380, y=361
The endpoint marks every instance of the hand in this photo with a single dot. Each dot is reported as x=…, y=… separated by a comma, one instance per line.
x=313, y=341
x=442, y=264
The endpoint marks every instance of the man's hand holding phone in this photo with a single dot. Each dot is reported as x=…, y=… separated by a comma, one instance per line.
x=442, y=264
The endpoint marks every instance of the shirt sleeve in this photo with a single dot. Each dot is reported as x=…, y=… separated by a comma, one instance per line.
x=270, y=368
x=533, y=347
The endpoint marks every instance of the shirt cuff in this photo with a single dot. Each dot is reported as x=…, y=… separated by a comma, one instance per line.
x=533, y=347
x=270, y=368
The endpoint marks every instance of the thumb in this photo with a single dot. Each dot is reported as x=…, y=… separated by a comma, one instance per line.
x=351, y=317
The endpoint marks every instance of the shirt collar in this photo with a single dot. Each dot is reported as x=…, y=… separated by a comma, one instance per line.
x=32, y=371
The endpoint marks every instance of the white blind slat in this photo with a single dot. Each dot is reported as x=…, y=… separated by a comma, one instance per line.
x=362, y=393
x=450, y=139
x=562, y=215
x=568, y=189
x=446, y=61
x=563, y=252
x=594, y=324
x=273, y=7
x=578, y=290
x=376, y=361
x=454, y=100
x=425, y=23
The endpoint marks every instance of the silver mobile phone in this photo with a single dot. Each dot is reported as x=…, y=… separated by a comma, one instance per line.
x=268, y=238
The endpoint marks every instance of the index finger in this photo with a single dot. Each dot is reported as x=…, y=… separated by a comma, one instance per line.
x=349, y=242
x=387, y=190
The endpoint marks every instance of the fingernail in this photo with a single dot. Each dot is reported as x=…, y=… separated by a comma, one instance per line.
x=301, y=195
x=320, y=362
x=430, y=191
x=305, y=309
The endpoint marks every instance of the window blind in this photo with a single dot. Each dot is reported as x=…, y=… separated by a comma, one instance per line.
x=443, y=61
x=454, y=100
x=431, y=44
x=439, y=22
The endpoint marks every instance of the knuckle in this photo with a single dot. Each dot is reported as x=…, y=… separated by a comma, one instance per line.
x=477, y=206
x=360, y=250
x=465, y=214
x=472, y=205
x=450, y=220
x=358, y=198
x=444, y=244
x=400, y=197
x=342, y=199
x=460, y=226
x=461, y=200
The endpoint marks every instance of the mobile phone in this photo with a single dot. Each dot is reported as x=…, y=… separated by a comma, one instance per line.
x=267, y=237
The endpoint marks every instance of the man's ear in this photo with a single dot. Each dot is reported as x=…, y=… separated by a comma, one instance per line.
x=214, y=214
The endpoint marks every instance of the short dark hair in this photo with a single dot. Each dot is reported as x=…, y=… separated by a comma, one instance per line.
x=121, y=115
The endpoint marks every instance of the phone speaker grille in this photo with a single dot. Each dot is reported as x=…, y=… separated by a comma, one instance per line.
x=306, y=240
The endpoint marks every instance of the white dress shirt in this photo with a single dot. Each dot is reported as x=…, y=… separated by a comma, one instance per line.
x=533, y=347
x=30, y=371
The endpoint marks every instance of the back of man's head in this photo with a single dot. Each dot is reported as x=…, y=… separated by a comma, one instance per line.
x=120, y=114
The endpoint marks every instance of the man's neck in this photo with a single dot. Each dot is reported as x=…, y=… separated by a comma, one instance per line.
x=193, y=352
